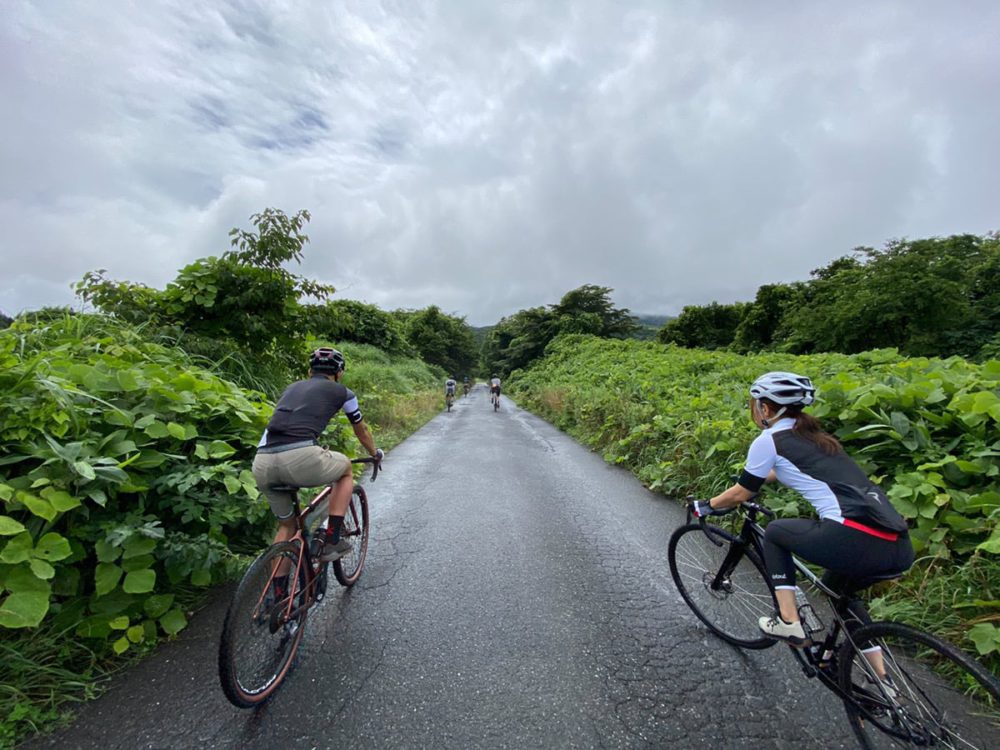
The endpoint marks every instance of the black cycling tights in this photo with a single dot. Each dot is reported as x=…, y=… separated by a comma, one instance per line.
x=849, y=556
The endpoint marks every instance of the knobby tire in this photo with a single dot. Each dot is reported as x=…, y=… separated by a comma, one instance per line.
x=730, y=611
x=348, y=568
x=258, y=643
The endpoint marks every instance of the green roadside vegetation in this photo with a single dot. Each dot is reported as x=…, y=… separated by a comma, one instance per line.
x=926, y=429
x=126, y=437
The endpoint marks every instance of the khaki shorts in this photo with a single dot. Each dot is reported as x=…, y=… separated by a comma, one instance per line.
x=310, y=466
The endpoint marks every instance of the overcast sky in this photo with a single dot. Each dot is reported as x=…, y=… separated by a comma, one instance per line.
x=488, y=156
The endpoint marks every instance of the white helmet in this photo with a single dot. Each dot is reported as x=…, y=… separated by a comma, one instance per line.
x=784, y=388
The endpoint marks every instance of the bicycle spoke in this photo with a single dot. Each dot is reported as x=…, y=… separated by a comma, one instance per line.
x=262, y=629
x=731, y=605
x=934, y=694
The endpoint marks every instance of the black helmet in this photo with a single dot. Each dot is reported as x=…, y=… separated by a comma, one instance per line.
x=327, y=361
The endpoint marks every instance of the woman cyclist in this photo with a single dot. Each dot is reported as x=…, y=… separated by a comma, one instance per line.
x=859, y=535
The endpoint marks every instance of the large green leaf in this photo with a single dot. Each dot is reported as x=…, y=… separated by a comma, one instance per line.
x=220, y=449
x=986, y=637
x=138, y=563
x=41, y=568
x=173, y=622
x=10, y=527
x=136, y=633
x=139, y=581
x=156, y=430
x=22, y=578
x=157, y=605
x=992, y=544
x=53, y=547
x=61, y=500
x=84, y=469
x=23, y=609
x=37, y=505
x=18, y=549
x=138, y=545
x=106, y=577
x=107, y=552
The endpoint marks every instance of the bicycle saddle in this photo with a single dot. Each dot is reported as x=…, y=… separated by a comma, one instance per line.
x=284, y=488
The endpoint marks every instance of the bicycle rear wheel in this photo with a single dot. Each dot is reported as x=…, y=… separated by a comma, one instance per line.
x=348, y=568
x=937, y=695
x=731, y=608
x=262, y=630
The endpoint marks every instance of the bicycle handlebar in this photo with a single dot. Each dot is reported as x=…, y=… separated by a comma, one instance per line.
x=374, y=460
x=746, y=506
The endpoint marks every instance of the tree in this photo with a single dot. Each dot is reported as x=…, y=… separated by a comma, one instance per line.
x=518, y=340
x=245, y=296
x=710, y=326
x=442, y=340
x=924, y=297
x=348, y=320
x=588, y=309
x=760, y=324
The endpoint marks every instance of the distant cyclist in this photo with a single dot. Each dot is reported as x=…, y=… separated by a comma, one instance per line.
x=288, y=452
x=495, y=389
x=449, y=387
x=858, y=536
x=465, y=386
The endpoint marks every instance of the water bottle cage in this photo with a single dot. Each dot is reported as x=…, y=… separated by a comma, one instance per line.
x=810, y=620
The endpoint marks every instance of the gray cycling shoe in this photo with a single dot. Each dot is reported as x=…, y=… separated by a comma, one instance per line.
x=335, y=550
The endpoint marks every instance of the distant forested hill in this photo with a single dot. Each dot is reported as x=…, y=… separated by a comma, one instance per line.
x=649, y=326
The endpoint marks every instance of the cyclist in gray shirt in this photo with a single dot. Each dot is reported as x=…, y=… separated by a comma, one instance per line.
x=288, y=452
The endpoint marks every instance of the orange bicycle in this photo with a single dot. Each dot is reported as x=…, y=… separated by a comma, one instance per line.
x=264, y=624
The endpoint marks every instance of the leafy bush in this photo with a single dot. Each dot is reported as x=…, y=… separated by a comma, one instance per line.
x=348, y=320
x=123, y=474
x=125, y=489
x=926, y=429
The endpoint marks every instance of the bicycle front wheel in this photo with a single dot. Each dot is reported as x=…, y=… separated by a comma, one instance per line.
x=355, y=529
x=935, y=694
x=730, y=607
x=262, y=630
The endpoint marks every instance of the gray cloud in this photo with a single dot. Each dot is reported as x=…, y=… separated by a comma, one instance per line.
x=487, y=157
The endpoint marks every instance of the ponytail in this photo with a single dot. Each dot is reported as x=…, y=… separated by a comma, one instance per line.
x=809, y=427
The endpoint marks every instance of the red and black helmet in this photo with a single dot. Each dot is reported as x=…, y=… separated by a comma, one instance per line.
x=327, y=361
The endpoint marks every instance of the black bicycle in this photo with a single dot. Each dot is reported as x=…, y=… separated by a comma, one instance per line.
x=265, y=621
x=901, y=687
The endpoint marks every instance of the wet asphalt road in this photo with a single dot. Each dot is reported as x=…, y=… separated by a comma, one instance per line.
x=516, y=594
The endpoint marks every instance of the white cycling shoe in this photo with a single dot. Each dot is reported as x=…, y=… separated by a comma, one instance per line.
x=789, y=632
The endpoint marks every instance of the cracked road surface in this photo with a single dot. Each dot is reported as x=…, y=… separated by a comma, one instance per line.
x=516, y=595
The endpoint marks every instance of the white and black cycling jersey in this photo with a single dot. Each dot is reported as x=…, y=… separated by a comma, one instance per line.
x=833, y=484
x=449, y=385
x=305, y=409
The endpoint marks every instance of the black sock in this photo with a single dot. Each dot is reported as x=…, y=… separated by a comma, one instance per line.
x=333, y=528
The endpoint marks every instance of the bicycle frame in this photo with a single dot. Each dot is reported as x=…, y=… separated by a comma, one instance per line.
x=817, y=660
x=304, y=569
